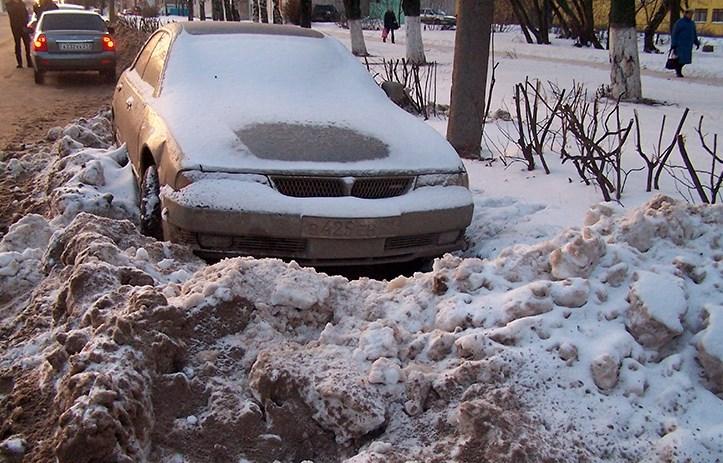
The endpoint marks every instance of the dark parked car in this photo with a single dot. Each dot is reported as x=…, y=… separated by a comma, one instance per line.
x=284, y=148
x=434, y=17
x=324, y=13
x=73, y=40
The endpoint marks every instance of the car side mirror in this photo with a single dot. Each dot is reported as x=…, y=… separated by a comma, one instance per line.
x=111, y=30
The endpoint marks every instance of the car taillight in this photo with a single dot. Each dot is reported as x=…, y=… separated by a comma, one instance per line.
x=108, y=44
x=40, y=43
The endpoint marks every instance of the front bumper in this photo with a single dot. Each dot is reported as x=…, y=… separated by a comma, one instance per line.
x=44, y=61
x=316, y=237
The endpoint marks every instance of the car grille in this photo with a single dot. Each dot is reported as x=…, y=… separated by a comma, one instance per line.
x=329, y=187
x=269, y=245
x=412, y=241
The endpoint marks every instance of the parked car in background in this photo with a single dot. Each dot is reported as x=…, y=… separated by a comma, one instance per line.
x=284, y=148
x=73, y=40
x=324, y=13
x=432, y=16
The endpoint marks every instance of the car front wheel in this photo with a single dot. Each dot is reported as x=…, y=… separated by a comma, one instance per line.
x=151, y=204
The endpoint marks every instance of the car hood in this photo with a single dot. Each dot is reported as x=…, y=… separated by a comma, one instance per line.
x=312, y=110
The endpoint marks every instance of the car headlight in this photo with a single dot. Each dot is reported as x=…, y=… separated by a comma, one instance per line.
x=187, y=177
x=455, y=179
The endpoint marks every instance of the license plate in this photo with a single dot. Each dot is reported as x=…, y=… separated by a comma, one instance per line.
x=75, y=46
x=316, y=227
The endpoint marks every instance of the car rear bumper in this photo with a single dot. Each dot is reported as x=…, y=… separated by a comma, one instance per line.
x=74, y=61
x=318, y=239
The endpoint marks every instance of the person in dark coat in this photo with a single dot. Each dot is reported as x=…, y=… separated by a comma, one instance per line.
x=43, y=6
x=682, y=40
x=18, y=16
x=390, y=25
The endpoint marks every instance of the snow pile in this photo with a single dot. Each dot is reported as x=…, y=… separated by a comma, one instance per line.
x=75, y=171
x=89, y=175
x=582, y=347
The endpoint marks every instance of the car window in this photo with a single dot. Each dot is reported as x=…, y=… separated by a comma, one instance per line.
x=152, y=73
x=72, y=22
x=140, y=64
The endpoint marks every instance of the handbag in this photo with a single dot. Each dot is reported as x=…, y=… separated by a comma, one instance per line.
x=672, y=62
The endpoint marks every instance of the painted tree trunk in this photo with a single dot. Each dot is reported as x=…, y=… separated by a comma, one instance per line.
x=469, y=76
x=625, y=64
x=415, y=47
x=358, y=47
x=624, y=60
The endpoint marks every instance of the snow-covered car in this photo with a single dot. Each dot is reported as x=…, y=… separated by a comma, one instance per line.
x=285, y=147
x=432, y=16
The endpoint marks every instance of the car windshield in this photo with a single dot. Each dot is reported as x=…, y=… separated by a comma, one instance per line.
x=72, y=22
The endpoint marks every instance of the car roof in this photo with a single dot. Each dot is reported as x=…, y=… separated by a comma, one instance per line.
x=70, y=11
x=214, y=27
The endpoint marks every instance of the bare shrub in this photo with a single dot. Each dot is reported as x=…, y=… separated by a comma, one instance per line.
x=598, y=136
x=420, y=81
x=656, y=159
x=704, y=182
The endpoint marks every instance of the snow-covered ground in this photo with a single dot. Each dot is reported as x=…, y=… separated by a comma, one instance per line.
x=569, y=331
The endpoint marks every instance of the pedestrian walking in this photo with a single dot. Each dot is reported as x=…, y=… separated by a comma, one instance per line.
x=682, y=40
x=390, y=25
x=18, y=15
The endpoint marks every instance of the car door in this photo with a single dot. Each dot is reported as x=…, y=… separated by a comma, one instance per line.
x=128, y=104
x=151, y=130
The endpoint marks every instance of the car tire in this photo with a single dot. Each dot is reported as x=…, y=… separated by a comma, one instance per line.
x=108, y=76
x=151, y=204
x=39, y=76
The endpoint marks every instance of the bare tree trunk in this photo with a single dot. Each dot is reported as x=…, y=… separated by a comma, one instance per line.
x=625, y=64
x=111, y=10
x=415, y=46
x=358, y=47
x=674, y=13
x=270, y=11
x=353, y=14
x=652, y=27
x=469, y=76
x=305, y=14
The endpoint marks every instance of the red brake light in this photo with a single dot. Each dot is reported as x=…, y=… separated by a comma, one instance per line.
x=40, y=43
x=108, y=44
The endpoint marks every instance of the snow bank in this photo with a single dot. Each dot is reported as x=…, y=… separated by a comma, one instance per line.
x=504, y=359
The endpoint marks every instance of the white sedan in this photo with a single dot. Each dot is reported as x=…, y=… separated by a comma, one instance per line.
x=265, y=140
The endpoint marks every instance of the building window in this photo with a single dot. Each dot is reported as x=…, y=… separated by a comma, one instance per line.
x=700, y=15
x=718, y=15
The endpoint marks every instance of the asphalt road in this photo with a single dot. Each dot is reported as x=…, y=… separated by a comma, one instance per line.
x=28, y=110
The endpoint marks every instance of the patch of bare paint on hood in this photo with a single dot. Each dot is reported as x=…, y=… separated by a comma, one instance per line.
x=316, y=143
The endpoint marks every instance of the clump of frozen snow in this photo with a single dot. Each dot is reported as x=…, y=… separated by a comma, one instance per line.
x=13, y=448
x=710, y=346
x=21, y=250
x=657, y=306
